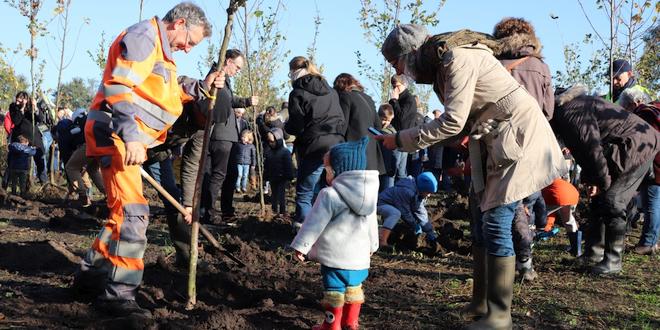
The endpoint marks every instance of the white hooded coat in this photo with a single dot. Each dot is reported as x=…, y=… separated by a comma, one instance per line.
x=341, y=230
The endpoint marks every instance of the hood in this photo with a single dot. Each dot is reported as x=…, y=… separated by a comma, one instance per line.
x=279, y=137
x=570, y=94
x=313, y=84
x=407, y=183
x=359, y=190
x=518, y=45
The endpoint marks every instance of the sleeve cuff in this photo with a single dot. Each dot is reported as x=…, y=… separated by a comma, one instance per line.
x=408, y=140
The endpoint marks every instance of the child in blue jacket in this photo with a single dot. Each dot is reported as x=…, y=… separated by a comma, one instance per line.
x=20, y=156
x=406, y=201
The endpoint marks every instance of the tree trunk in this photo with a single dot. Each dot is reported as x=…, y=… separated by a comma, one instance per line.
x=194, y=237
x=612, y=44
x=258, y=145
x=58, y=96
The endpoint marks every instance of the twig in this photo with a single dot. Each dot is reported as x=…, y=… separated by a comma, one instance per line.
x=591, y=24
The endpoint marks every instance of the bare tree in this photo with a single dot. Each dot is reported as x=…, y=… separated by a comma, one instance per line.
x=99, y=56
x=311, y=50
x=64, y=64
x=377, y=21
x=263, y=46
x=629, y=21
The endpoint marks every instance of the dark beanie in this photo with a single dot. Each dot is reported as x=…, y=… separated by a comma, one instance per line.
x=620, y=66
x=403, y=39
x=349, y=156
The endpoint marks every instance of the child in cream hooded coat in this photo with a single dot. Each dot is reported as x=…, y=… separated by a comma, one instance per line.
x=341, y=232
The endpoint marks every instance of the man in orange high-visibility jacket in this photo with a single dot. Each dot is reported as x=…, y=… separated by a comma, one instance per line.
x=138, y=101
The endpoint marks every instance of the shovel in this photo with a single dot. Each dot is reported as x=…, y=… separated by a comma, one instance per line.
x=183, y=211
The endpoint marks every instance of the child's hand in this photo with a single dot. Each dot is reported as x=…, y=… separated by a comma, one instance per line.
x=299, y=256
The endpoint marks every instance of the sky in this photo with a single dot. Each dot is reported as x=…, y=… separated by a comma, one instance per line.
x=340, y=34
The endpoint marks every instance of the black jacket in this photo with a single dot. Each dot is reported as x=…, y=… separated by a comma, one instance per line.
x=360, y=114
x=315, y=116
x=246, y=154
x=278, y=163
x=23, y=125
x=225, y=127
x=405, y=111
x=604, y=139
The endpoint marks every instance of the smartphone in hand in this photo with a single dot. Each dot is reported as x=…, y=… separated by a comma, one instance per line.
x=375, y=131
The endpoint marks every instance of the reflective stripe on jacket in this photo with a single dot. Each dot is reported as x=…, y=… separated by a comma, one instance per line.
x=140, y=88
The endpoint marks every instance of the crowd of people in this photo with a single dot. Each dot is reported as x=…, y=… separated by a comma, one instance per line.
x=520, y=144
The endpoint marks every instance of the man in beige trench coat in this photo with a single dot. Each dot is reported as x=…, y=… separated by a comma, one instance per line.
x=513, y=151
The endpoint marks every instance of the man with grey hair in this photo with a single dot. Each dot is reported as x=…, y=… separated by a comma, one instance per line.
x=633, y=97
x=513, y=151
x=138, y=101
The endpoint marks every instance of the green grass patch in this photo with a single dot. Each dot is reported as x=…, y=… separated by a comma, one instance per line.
x=653, y=299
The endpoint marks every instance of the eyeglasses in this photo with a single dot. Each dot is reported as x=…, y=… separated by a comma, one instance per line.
x=189, y=43
x=238, y=67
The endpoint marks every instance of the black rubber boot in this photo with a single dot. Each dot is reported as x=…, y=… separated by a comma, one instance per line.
x=595, y=242
x=122, y=308
x=89, y=284
x=576, y=243
x=615, y=239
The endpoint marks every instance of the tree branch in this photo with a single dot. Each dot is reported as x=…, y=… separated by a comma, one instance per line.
x=591, y=24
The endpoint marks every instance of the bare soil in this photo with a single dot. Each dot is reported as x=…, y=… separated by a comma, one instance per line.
x=40, y=241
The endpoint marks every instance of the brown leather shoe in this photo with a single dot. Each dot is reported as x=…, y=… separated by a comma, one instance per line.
x=646, y=250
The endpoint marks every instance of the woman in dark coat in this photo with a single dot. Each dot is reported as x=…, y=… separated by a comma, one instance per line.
x=359, y=114
x=317, y=122
x=21, y=113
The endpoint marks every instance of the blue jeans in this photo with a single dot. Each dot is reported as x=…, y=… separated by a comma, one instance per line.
x=391, y=216
x=535, y=204
x=401, y=162
x=163, y=173
x=307, y=186
x=494, y=228
x=335, y=279
x=651, y=201
x=243, y=174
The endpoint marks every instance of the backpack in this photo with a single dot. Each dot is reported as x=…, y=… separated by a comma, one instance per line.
x=9, y=124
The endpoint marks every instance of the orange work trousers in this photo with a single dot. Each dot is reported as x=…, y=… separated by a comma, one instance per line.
x=119, y=247
x=559, y=193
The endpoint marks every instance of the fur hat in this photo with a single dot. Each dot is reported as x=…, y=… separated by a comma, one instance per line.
x=403, y=39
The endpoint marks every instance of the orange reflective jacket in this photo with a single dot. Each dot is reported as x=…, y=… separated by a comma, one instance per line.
x=140, y=89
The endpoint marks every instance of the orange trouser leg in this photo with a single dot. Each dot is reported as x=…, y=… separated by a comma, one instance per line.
x=120, y=245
